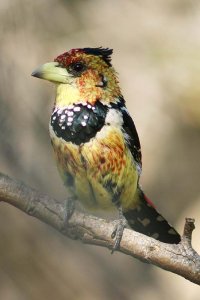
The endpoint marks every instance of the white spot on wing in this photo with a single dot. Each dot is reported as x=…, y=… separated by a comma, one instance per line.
x=77, y=108
x=144, y=222
x=138, y=207
x=70, y=113
x=131, y=222
x=155, y=235
x=172, y=231
x=83, y=123
x=70, y=119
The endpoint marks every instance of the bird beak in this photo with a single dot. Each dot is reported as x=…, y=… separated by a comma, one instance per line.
x=52, y=72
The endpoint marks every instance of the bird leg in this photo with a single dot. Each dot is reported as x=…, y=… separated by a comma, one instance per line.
x=118, y=230
x=68, y=211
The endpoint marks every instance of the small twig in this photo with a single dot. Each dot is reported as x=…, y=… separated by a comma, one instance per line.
x=180, y=259
x=188, y=229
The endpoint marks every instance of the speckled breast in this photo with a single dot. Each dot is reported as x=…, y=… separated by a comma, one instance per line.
x=80, y=122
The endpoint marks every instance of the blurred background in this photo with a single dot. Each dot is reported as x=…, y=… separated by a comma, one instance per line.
x=157, y=54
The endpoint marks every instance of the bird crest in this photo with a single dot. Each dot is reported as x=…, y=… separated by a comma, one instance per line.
x=74, y=54
x=104, y=53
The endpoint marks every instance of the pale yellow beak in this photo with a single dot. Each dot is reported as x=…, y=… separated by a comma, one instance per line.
x=52, y=72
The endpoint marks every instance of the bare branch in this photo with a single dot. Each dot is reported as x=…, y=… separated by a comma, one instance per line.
x=181, y=259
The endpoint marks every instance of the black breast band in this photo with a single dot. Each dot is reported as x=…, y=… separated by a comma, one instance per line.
x=80, y=122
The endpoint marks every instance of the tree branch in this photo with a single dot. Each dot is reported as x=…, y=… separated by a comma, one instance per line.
x=181, y=259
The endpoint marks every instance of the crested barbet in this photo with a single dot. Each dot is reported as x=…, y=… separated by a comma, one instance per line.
x=96, y=144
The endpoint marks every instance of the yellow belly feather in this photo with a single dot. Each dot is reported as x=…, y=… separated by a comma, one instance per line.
x=96, y=163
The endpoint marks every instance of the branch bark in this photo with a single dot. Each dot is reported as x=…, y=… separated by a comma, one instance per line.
x=181, y=259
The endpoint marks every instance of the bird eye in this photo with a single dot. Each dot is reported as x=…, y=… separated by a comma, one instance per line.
x=77, y=68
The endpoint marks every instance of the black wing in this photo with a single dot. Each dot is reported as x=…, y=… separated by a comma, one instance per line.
x=132, y=137
x=129, y=128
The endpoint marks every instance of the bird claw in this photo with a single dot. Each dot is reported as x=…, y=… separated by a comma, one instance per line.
x=68, y=212
x=118, y=233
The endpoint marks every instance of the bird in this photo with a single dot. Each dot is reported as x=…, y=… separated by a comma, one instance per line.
x=96, y=144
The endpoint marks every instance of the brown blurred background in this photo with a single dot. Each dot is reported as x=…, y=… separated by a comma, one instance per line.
x=157, y=54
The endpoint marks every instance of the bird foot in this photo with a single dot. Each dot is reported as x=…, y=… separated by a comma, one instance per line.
x=118, y=233
x=68, y=212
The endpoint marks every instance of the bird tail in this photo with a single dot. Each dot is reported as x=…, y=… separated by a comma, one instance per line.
x=145, y=219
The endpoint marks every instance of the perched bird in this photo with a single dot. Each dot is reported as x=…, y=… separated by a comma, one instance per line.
x=96, y=144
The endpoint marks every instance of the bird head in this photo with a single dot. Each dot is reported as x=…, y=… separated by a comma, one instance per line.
x=82, y=75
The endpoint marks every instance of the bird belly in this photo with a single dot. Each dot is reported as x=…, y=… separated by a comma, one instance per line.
x=101, y=172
